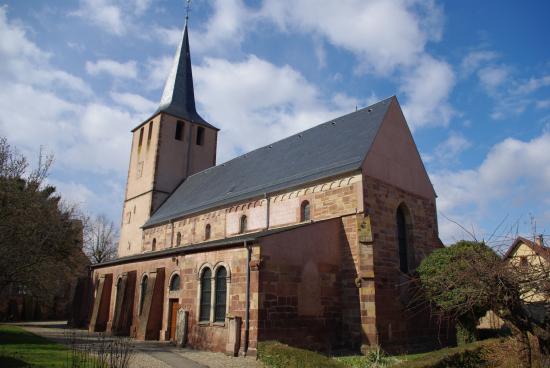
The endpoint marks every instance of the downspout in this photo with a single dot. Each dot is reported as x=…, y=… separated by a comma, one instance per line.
x=247, y=310
x=267, y=211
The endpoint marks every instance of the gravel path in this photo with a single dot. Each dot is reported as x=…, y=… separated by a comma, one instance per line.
x=149, y=354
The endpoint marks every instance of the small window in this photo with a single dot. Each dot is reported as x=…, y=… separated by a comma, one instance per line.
x=206, y=294
x=207, y=232
x=402, y=240
x=179, y=130
x=143, y=292
x=140, y=137
x=154, y=245
x=221, y=294
x=305, y=211
x=178, y=239
x=200, y=136
x=175, y=283
x=243, y=225
x=150, y=133
x=523, y=262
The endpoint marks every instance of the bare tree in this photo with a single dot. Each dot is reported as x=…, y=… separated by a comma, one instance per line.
x=100, y=239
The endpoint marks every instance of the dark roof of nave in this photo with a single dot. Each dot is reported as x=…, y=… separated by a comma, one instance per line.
x=336, y=147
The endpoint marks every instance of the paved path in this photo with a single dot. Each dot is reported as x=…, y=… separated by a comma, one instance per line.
x=149, y=354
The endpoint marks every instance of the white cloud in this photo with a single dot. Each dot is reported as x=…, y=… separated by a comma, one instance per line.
x=475, y=59
x=492, y=77
x=136, y=102
x=533, y=84
x=515, y=174
x=117, y=17
x=157, y=70
x=427, y=88
x=255, y=102
x=449, y=150
x=113, y=68
x=102, y=13
x=543, y=104
x=383, y=34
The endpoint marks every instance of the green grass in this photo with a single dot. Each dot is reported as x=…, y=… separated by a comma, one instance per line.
x=19, y=348
x=277, y=355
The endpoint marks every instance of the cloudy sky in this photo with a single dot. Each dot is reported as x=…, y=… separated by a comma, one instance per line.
x=473, y=79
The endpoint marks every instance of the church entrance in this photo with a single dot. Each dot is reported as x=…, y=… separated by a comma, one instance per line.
x=174, y=306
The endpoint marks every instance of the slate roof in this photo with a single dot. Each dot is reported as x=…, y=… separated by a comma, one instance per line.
x=329, y=149
x=178, y=96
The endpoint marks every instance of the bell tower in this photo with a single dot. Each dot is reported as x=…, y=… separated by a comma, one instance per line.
x=174, y=143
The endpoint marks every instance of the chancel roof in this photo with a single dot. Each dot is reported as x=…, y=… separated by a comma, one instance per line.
x=329, y=149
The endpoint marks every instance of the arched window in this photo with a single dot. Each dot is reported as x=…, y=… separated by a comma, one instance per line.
x=402, y=239
x=305, y=211
x=206, y=295
x=175, y=283
x=154, y=245
x=243, y=225
x=143, y=292
x=221, y=294
x=207, y=232
x=178, y=239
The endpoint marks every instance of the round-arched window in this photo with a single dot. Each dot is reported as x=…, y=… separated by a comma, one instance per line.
x=207, y=230
x=143, y=292
x=154, y=245
x=243, y=224
x=305, y=214
x=175, y=283
x=178, y=239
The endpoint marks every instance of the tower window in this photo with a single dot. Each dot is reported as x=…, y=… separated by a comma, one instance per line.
x=150, y=133
x=140, y=137
x=178, y=239
x=200, y=136
x=305, y=211
x=179, y=130
x=207, y=232
x=243, y=224
x=154, y=245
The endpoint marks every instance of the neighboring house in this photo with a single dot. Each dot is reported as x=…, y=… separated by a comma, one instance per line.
x=531, y=259
x=308, y=240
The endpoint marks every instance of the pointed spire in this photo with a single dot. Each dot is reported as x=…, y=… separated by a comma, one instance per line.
x=178, y=97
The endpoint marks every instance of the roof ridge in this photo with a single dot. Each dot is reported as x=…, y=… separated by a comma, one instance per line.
x=293, y=135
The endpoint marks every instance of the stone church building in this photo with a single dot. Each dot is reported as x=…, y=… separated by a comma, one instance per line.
x=309, y=240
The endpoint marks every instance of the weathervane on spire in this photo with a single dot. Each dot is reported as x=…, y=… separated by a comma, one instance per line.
x=187, y=11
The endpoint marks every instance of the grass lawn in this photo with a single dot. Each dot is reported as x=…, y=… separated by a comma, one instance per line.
x=19, y=348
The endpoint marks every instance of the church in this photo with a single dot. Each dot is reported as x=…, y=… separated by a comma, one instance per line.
x=309, y=240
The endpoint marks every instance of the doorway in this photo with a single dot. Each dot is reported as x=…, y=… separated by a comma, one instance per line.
x=174, y=306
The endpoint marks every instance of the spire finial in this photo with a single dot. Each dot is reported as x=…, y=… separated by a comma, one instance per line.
x=187, y=11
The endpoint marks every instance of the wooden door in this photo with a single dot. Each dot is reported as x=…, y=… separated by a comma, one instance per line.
x=174, y=307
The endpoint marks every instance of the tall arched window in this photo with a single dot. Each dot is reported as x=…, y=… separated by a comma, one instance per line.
x=243, y=224
x=221, y=294
x=305, y=211
x=154, y=245
x=206, y=295
x=207, y=232
x=402, y=239
x=178, y=239
x=143, y=292
x=175, y=283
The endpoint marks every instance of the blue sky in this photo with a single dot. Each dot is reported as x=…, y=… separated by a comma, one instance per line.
x=473, y=79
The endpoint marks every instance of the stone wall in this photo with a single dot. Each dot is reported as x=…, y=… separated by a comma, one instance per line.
x=398, y=327
x=332, y=198
x=300, y=286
